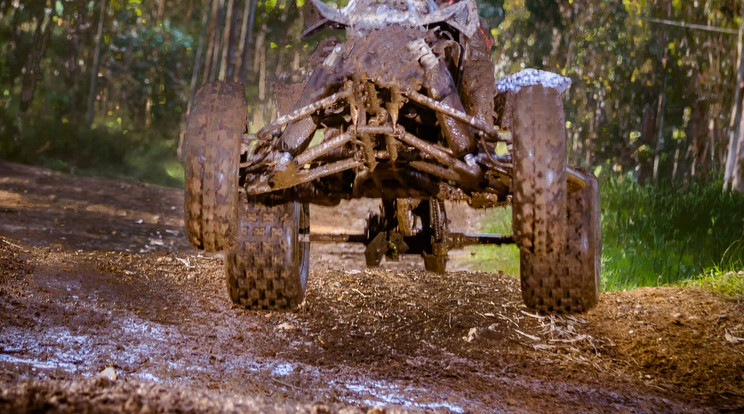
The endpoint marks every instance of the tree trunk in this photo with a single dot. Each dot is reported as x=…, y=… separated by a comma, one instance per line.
x=96, y=65
x=662, y=102
x=262, y=73
x=713, y=132
x=226, y=40
x=737, y=180
x=33, y=63
x=234, y=55
x=590, y=137
x=675, y=168
x=190, y=10
x=259, y=46
x=244, y=68
x=279, y=66
x=195, y=71
x=698, y=132
x=648, y=125
x=161, y=11
x=205, y=22
x=242, y=41
x=212, y=48
x=298, y=28
x=215, y=65
x=661, y=108
x=735, y=126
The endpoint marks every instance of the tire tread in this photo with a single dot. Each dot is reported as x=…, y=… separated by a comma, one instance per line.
x=213, y=133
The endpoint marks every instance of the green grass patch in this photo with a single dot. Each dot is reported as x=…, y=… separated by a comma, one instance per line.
x=659, y=236
x=496, y=258
x=651, y=236
x=729, y=284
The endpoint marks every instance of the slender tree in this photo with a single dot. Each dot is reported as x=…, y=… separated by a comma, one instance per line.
x=33, y=62
x=96, y=64
x=730, y=175
x=245, y=66
x=737, y=183
x=226, y=44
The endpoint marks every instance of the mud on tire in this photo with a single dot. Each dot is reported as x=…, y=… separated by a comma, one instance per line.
x=539, y=178
x=557, y=233
x=213, y=133
x=267, y=264
x=539, y=195
x=569, y=282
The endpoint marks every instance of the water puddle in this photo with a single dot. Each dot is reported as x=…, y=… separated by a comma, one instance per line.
x=382, y=393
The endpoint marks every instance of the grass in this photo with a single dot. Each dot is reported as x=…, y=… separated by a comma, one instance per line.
x=660, y=236
x=497, y=258
x=652, y=236
x=729, y=284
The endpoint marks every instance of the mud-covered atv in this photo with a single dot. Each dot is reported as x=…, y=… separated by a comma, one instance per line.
x=406, y=110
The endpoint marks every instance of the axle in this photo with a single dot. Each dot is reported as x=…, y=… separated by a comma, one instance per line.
x=454, y=240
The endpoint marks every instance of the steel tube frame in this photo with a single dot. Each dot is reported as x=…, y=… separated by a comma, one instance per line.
x=474, y=122
x=304, y=176
x=264, y=133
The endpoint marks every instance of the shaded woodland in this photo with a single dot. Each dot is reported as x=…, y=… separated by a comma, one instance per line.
x=102, y=87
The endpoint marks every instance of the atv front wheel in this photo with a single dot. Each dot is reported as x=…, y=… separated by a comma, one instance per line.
x=267, y=264
x=539, y=198
x=214, y=129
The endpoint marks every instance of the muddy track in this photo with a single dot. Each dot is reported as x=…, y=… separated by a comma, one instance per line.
x=97, y=273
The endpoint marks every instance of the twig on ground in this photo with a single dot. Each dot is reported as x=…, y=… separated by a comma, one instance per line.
x=532, y=315
x=569, y=341
x=507, y=319
x=533, y=337
x=12, y=244
x=577, y=320
x=543, y=347
x=284, y=383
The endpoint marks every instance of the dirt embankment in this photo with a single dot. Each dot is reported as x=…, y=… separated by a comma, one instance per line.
x=97, y=273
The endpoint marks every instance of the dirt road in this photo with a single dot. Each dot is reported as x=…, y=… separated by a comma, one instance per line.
x=97, y=274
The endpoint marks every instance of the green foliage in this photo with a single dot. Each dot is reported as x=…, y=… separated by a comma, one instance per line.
x=642, y=94
x=651, y=236
x=657, y=236
x=101, y=151
x=141, y=96
x=642, y=91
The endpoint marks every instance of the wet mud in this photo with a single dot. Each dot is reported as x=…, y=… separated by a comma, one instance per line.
x=97, y=281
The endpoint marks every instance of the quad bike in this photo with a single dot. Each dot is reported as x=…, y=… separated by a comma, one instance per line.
x=406, y=111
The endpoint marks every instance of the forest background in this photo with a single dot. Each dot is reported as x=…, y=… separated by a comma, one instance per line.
x=102, y=88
